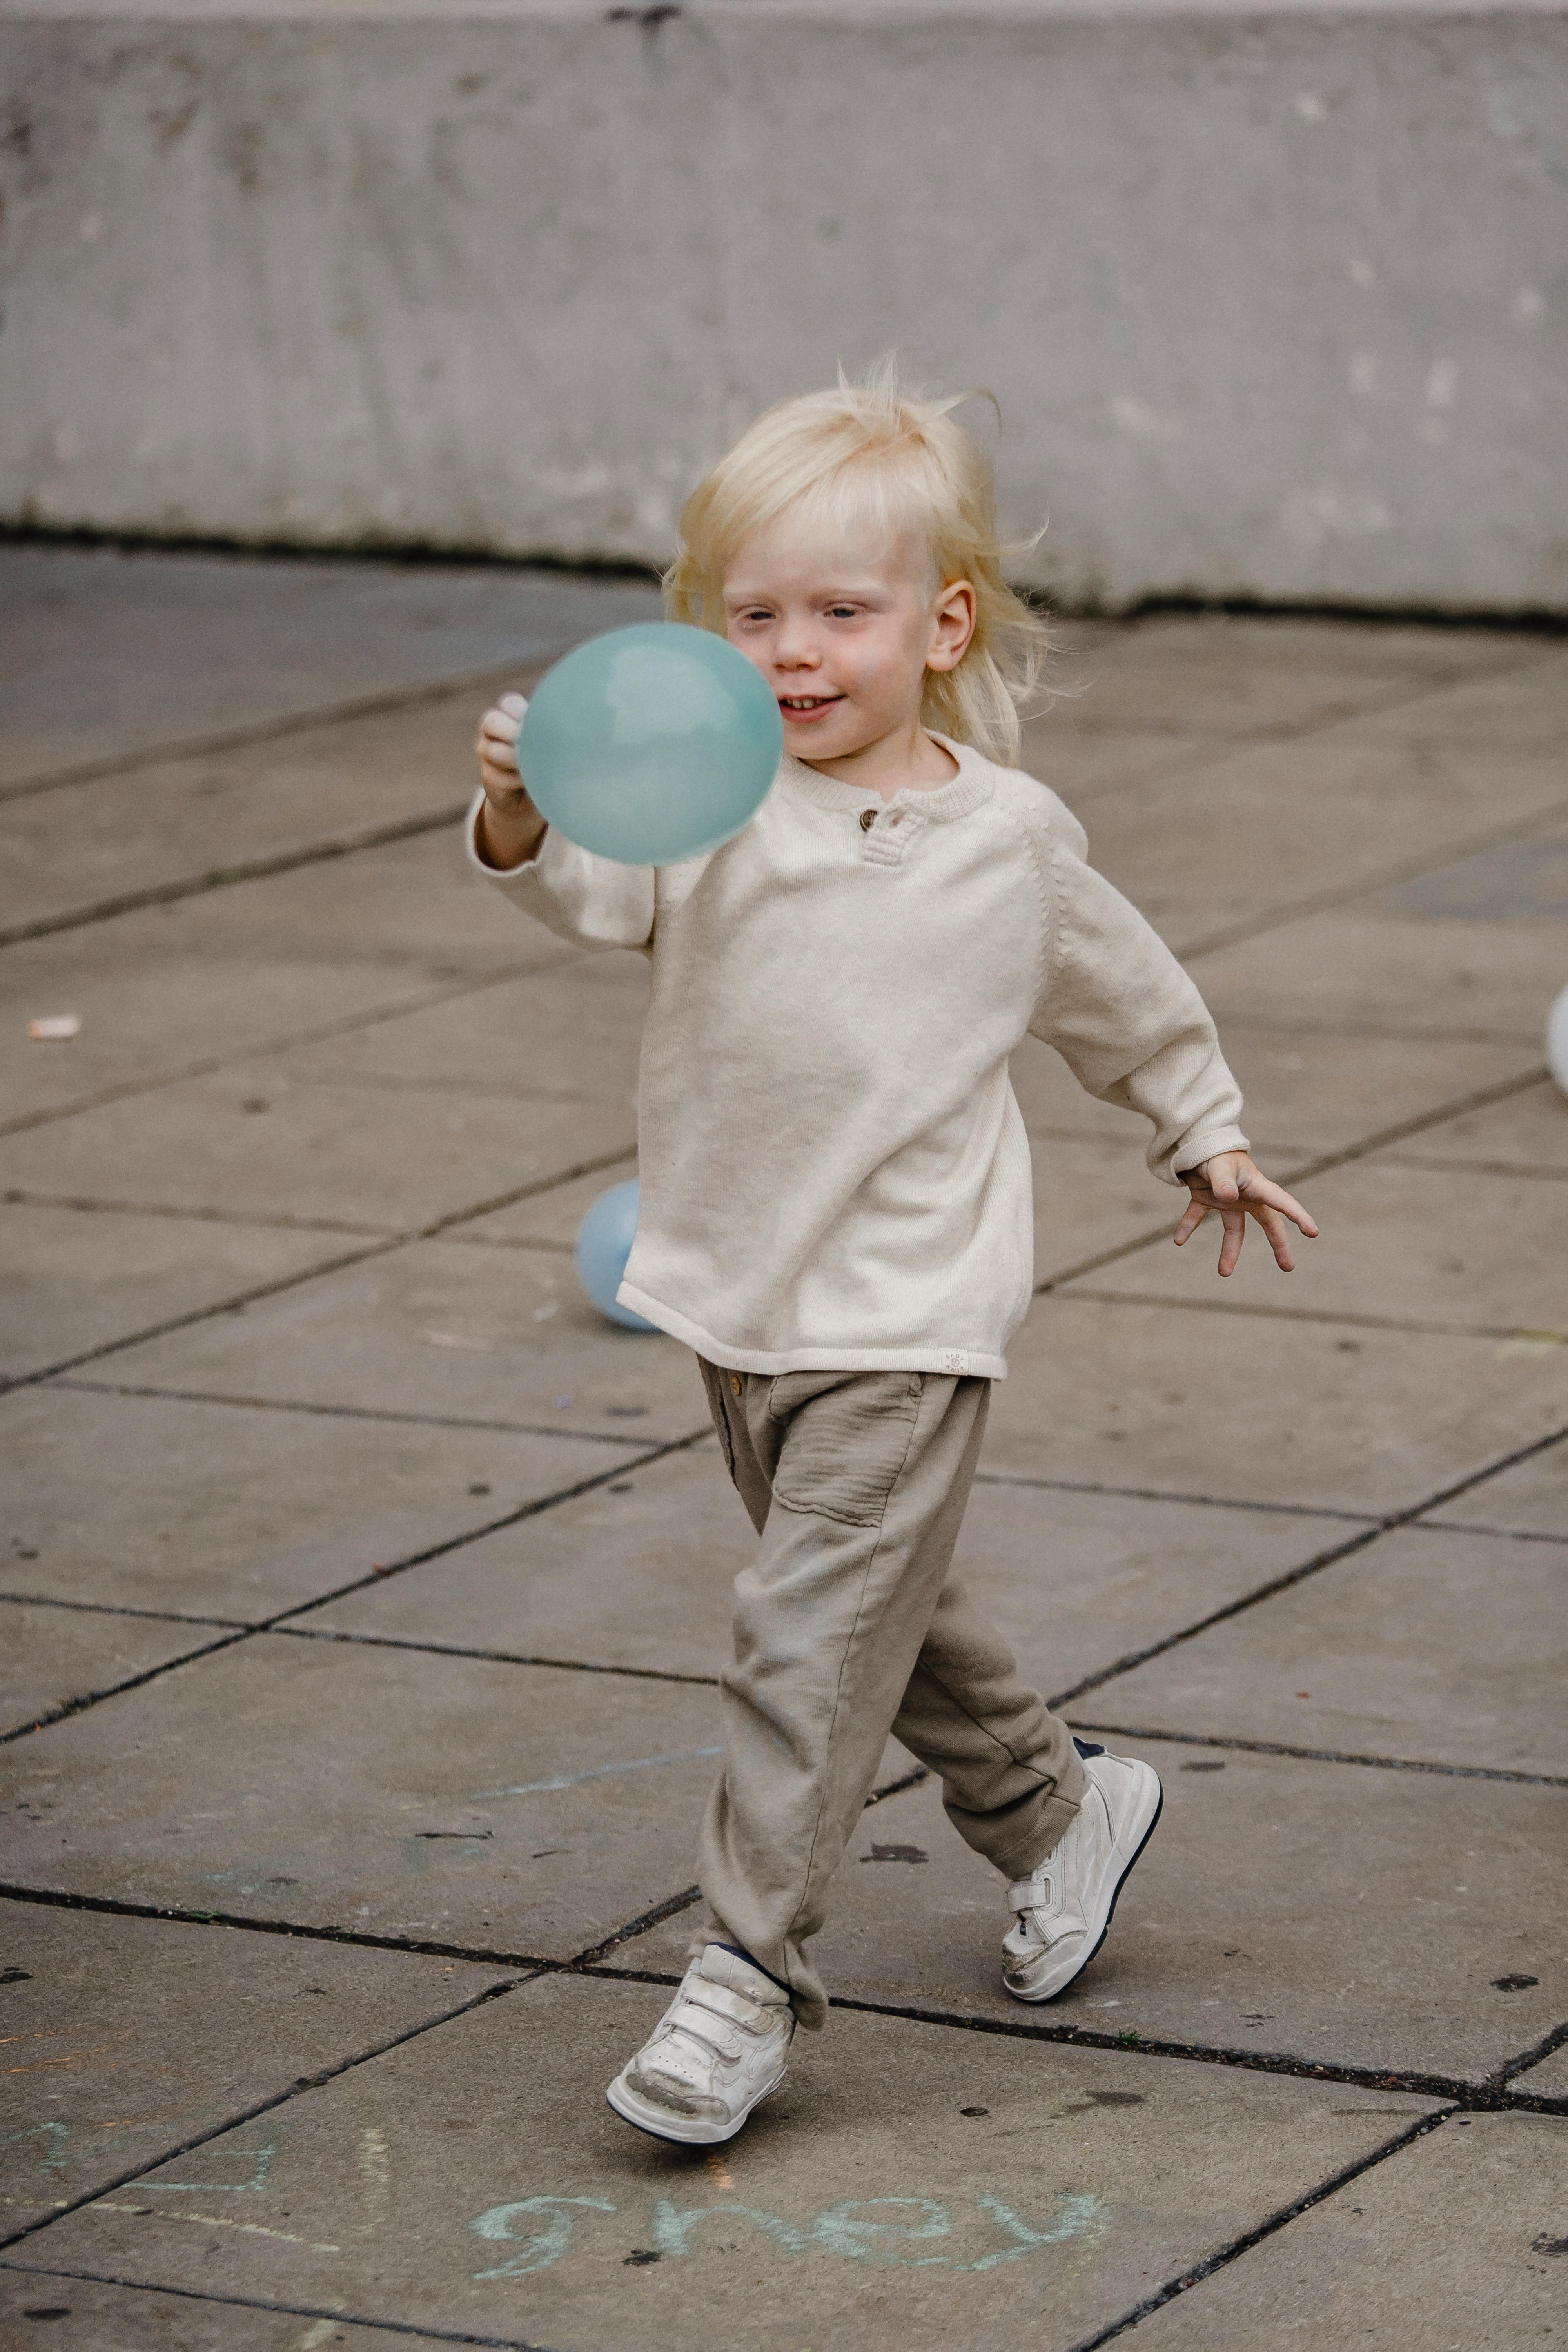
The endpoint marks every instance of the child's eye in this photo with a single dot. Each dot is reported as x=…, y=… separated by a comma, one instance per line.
x=842, y=612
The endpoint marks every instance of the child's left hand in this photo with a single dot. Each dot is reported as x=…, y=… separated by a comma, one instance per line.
x=1231, y=1183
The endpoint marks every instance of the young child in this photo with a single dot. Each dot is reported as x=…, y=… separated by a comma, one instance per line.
x=835, y=1206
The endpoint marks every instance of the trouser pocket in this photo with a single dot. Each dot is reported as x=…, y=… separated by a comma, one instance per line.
x=717, y=1384
x=845, y=1438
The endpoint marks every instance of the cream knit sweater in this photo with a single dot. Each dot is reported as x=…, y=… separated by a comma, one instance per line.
x=835, y=1172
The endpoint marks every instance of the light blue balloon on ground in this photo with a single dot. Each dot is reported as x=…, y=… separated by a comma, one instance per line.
x=604, y=1245
x=650, y=744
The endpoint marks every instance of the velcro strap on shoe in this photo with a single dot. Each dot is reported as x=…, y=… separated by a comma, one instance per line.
x=1024, y=1893
x=714, y=2000
x=708, y=2027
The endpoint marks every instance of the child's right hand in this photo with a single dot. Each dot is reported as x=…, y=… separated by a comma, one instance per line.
x=510, y=827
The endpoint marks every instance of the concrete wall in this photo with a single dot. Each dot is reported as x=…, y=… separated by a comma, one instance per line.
x=1275, y=301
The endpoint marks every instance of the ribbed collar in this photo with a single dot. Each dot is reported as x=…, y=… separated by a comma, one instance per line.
x=970, y=788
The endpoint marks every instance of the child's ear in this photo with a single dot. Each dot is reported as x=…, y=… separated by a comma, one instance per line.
x=955, y=617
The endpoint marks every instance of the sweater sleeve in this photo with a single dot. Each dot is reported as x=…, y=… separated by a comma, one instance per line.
x=592, y=901
x=1129, y=1022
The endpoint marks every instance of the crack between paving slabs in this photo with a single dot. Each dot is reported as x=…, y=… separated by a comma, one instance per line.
x=1326, y=1755
x=82, y=1204
x=404, y=1239
x=115, y=1609
x=1132, y=1494
x=1483, y=2098
x=364, y=1412
x=246, y=869
x=1259, y=1308
x=496, y=1657
x=1479, y=1527
x=1550, y=2042
x=375, y=1576
x=289, y=2310
x=268, y=730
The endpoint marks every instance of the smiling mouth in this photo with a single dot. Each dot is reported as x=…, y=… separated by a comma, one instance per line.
x=804, y=705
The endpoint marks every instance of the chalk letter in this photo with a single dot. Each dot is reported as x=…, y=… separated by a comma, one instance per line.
x=671, y=2229
x=547, y=2245
x=856, y=2239
x=1077, y=2215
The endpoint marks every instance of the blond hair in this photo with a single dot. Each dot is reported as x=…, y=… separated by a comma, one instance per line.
x=875, y=453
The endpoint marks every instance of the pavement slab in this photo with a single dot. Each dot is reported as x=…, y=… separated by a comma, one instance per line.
x=1523, y=880
x=1269, y=827
x=639, y=1574
x=570, y=1033
x=1373, y=967
x=128, y=2038
x=111, y=652
x=1084, y=765
x=50, y=1656
x=495, y=1808
x=1428, y=1645
x=170, y=1007
x=306, y=1501
x=78, y=1282
x=1329, y=1914
x=1549, y=2079
x=863, y=2207
x=252, y=1140
x=1509, y=708
x=1402, y=1242
x=1262, y=1408
x=439, y=1329
x=1454, y=2243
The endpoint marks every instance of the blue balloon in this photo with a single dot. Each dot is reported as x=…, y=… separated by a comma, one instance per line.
x=650, y=744
x=604, y=1241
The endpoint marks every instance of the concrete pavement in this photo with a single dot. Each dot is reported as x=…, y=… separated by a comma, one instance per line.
x=364, y=1591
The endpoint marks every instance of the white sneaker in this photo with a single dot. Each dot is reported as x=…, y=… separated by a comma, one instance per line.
x=717, y=2050
x=1064, y=1907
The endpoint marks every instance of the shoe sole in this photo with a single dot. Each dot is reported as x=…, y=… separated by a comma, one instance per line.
x=686, y=2131
x=1057, y=1991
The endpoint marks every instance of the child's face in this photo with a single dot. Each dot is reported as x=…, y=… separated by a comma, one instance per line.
x=844, y=630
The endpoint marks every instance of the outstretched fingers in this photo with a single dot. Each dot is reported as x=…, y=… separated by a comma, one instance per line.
x=1237, y=1189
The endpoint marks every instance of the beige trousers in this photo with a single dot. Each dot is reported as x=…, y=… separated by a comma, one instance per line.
x=848, y=1626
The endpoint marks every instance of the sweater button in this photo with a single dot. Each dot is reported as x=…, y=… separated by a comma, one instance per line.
x=868, y=819
x=735, y=1382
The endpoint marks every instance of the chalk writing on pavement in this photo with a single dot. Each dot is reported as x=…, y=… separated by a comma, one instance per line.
x=857, y=2229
